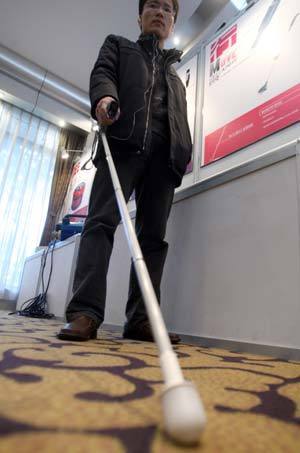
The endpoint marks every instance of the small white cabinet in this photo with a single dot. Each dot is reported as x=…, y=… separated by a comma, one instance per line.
x=60, y=288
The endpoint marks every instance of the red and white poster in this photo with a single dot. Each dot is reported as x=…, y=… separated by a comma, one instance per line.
x=252, y=79
x=188, y=75
x=79, y=190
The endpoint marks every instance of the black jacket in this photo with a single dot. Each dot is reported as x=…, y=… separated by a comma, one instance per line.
x=124, y=71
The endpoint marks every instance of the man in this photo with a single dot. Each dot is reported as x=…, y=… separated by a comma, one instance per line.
x=151, y=145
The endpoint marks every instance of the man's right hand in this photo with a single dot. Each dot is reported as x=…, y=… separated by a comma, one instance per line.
x=102, y=111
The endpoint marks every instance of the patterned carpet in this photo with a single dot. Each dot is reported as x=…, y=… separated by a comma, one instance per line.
x=103, y=396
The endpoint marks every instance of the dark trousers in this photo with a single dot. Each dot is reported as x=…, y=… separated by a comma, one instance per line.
x=154, y=186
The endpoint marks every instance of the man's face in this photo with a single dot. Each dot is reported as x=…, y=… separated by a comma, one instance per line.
x=158, y=17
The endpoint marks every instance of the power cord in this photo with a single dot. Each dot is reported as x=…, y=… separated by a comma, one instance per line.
x=37, y=307
x=39, y=91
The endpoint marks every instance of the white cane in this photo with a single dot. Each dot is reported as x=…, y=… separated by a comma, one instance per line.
x=183, y=412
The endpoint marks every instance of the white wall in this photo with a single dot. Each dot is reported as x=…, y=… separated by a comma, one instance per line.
x=233, y=268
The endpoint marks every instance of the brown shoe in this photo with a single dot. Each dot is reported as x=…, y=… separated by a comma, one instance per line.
x=81, y=328
x=143, y=332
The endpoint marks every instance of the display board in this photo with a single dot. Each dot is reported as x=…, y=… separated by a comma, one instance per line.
x=79, y=190
x=252, y=79
x=188, y=75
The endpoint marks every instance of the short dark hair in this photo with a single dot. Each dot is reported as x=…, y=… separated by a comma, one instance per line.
x=175, y=5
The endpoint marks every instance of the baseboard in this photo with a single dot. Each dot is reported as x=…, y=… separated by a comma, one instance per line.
x=279, y=352
x=8, y=305
x=112, y=327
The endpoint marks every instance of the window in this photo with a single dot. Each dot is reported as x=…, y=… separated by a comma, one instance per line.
x=28, y=148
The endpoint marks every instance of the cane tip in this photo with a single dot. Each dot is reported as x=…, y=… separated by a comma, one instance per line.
x=184, y=415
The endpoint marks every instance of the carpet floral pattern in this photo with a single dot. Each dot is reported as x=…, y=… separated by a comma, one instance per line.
x=104, y=395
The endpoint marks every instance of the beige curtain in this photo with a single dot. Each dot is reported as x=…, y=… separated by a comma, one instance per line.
x=61, y=179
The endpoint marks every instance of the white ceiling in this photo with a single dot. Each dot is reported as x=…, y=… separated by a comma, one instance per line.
x=64, y=36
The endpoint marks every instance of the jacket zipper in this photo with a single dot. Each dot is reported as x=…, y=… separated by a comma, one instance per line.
x=151, y=92
x=167, y=81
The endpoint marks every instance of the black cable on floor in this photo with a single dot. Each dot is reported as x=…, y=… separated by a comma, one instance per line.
x=37, y=307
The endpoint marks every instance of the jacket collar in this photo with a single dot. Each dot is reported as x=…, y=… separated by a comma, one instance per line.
x=150, y=42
